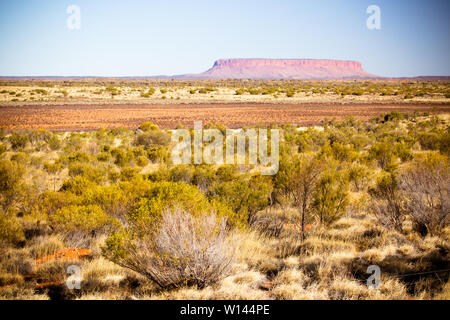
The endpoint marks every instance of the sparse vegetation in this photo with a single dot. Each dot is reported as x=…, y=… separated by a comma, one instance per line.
x=348, y=194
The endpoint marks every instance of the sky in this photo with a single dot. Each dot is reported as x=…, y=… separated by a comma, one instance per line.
x=168, y=37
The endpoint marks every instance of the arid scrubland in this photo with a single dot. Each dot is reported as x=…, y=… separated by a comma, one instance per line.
x=104, y=90
x=347, y=195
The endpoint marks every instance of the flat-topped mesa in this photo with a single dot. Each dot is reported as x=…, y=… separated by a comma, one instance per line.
x=285, y=69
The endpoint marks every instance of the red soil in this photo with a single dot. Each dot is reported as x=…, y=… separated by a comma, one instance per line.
x=233, y=115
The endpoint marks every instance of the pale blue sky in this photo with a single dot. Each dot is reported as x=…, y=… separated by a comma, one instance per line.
x=143, y=38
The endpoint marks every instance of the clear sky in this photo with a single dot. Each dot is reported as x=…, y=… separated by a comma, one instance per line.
x=149, y=37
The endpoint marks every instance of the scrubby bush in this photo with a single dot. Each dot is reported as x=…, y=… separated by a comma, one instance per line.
x=122, y=157
x=54, y=143
x=148, y=139
x=18, y=141
x=149, y=93
x=183, y=251
x=128, y=173
x=78, y=185
x=11, y=174
x=142, y=161
x=383, y=153
x=430, y=140
x=330, y=197
x=394, y=115
x=10, y=230
x=88, y=171
x=149, y=126
x=204, y=177
x=403, y=151
x=426, y=189
x=182, y=173
x=20, y=157
x=163, y=195
x=244, y=197
x=90, y=218
x=387, y=202
x=358, y=174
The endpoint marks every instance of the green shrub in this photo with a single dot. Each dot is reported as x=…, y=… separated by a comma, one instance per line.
x=88, y=171
x=148, y=139
x=383, y=153
x=226, y=173
x=181, y=173
x=394, y=115
x=121, y=157
x=10, y=230
x=10, y=175
x=149, y=93
x=113, y=175
x=403, y=152
x=331, y=196
x=85, y=218
x=54, y=143
x=20, y=157
x=128, y=173
x=244, y=197
x=18, y=141
x=149, y=126
x=290, y=94
x=157, y=153
x=3, y=148
x=142, y=161
x=358, y=175
x=78, y=185
x=103, y=156
x=164, y=195
x=430, y=140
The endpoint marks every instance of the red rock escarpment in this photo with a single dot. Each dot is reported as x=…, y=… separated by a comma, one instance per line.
x=285, y=69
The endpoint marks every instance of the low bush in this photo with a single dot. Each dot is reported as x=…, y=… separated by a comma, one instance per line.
x=18, y=141
x=184, y=250
x=89, y=218
x=425, y=187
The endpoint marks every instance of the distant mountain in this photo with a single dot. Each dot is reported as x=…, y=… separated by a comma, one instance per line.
x=303, y=69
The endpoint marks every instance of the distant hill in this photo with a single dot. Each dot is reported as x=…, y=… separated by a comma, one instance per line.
x=302, y=69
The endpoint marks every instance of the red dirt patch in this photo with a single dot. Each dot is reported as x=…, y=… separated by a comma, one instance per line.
x=65, y=254
x=233, y=115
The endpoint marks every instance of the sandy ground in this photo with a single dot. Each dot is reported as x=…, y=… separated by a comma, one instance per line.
x=234, y=115
x=89, y=95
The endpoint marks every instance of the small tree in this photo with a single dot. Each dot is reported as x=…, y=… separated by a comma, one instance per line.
x=383, y=153
x=298, y=177
x=331, y=196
